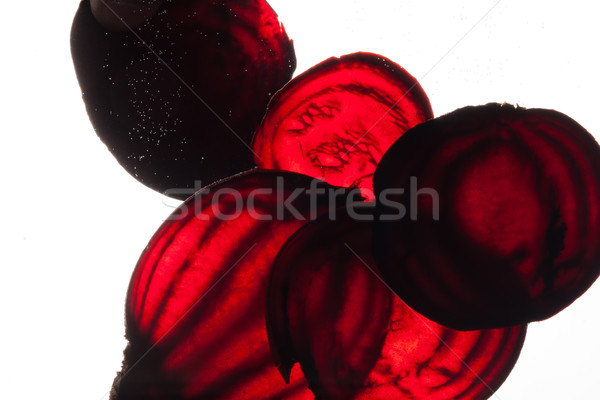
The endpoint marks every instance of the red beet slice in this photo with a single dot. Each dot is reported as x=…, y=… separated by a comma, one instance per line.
x=355, y=339
x=518, y=235
x=189, y=115
x=195, y=309
x=336, y=120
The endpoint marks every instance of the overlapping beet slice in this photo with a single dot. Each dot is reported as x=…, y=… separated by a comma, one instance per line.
x=517, y=233
x=337, y=119
x=177, y=101
x=354, y=339
x=196, y=303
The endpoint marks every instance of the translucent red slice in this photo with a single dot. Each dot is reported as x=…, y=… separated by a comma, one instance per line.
x=518, y=235
x=336, y=120
x=182, y=105
x=196, y=303
x=354, y=339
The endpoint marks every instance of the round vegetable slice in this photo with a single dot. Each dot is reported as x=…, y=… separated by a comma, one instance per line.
x=337, y=119
x=504, y=224
x=329, y=310
x=195, y=310
x=177, y=99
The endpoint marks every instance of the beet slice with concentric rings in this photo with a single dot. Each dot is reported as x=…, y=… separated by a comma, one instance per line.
x=501, y=221
x=177, y=99
x=329, y=311
x=195, y=309
x=336, y=120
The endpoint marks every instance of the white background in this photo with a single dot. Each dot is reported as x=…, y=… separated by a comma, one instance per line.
x=74, y=223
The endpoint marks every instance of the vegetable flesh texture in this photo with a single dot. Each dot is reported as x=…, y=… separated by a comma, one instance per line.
x=330, y=312
x=189, y=113
x=336, y=120
x=518, y=232
x=196, y=301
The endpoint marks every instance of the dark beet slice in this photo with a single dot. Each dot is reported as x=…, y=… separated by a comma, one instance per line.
x=518, y=235
x=355, y=339
x=189, y=115
x=195, y=309
x=336, y=120
x=119, y=15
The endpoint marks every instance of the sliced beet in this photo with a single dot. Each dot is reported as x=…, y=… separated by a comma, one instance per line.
x=195, y=310
x=182, y=105
x=336, y=120
x=518, y=232
x=329, y=311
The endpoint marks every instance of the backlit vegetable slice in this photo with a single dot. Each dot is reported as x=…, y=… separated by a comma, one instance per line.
x=195, y=309
x=354, y=339
x=516, y=195
x=177, y=100
x=337, y=119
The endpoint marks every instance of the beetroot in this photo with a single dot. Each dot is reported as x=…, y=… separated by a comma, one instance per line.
x=502, y=223
x=182, y=105
x=195, y=309
x=329, y=311
x=336, y=120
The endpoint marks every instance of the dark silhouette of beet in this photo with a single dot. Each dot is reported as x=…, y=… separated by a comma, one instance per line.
x=177, y=100
x=502, y=223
